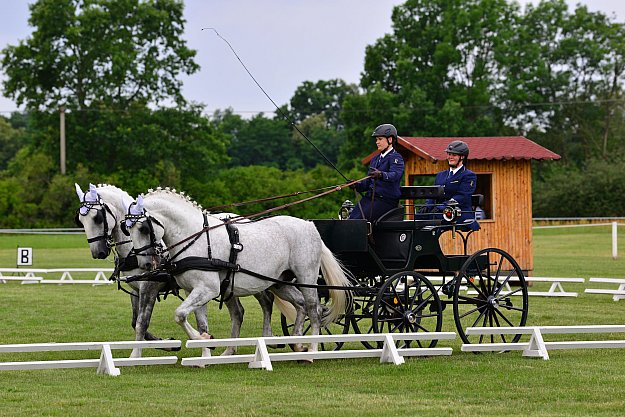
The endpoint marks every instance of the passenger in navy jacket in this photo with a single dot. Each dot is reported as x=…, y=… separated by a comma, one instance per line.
x=459, y=184
x=386, y=170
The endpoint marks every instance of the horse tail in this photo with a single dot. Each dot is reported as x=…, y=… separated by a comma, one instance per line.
x=335, y=274
x=285, y=308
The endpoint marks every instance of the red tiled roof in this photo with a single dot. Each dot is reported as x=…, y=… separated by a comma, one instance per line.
x=500, y=148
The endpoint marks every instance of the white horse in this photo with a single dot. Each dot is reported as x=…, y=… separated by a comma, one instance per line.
x=284, y=248
x=100, y=214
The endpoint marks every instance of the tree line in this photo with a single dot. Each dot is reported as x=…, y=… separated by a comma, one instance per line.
x=448, y=68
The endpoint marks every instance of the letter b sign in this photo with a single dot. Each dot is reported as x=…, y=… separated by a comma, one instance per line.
x=24, y=256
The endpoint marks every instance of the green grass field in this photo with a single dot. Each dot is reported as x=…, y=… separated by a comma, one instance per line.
x=576, y=382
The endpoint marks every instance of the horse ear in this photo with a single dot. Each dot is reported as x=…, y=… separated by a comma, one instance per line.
x=81, y=195
x=93, y=193
x=140, y=206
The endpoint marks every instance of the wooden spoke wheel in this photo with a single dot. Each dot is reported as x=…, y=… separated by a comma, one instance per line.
x=496, y=296
x=406, y=303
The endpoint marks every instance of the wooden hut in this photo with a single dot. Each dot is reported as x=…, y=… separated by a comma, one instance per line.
x=502, y=165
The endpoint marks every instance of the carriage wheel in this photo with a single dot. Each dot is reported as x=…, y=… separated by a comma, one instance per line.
x=341, y=327
x=362, y=322
x=496, y=295
x=407, y=303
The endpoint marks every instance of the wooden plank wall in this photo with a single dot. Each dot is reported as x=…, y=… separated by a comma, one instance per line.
x=510, y=225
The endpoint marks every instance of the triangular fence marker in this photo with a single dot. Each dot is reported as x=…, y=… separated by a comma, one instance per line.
x=261, y=356
x=107, y=366
x=536, y=347
x=389, y=352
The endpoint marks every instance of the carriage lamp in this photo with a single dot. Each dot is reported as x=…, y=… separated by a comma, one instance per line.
x=346, y=209
x=451, y=212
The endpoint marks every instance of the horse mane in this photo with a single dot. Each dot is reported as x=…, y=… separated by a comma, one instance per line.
x=179, y=194
x=114, y=189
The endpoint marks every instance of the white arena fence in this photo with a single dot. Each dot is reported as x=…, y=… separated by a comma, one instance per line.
x=46, y=231
x=55, y=275
x=261, y=358
x=614, y=225
x=537, y=346
x=106, y=364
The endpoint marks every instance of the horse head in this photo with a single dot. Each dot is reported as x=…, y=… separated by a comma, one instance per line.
x=146, y=233
x=98, y=221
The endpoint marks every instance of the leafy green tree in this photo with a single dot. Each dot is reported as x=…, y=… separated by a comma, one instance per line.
x=258, y=141
x=327, y=140
x=10, y=141
x=441, y=62
x=568, y=190
x=564, y=79
x=321, y=97
x=241, y=184
x=99, y=52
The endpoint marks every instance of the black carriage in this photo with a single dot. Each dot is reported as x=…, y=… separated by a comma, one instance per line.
x=403, y=282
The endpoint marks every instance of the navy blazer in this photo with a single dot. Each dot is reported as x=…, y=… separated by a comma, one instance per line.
x=460, y=187
x=386, y=188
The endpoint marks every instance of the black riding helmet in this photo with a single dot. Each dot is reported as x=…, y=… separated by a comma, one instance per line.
x=458, y=147
x=386, y=130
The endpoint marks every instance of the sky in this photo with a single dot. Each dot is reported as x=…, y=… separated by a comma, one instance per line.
x=282, y=42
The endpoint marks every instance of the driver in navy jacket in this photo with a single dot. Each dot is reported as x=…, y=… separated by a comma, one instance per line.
x=459, y=184
x=386, y=169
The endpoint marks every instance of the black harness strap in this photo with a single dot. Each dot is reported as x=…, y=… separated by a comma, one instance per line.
x=235, y=248
x=208, y=238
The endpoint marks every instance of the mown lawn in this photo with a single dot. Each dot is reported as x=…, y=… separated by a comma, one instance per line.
x=580, y=382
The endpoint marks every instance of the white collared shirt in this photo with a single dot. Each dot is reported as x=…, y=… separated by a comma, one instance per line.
x=389, y=150
x=454, y=171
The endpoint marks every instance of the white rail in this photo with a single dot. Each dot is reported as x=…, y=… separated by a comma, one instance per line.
x=537, y=347
x=389, y=353
x=35, y=275
x=106, y=364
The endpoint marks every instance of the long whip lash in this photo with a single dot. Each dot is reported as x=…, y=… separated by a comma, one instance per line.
x=282, y=114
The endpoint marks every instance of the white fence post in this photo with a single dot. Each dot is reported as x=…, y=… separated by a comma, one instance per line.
x=614, y=241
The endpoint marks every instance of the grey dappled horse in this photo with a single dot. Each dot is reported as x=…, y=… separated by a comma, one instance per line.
x=100, y=214
x=279, y=247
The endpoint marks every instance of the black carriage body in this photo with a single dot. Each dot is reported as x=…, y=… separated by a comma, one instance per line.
x=387, y=247
x=391, y=244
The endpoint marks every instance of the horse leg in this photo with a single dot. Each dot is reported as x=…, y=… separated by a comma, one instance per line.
x=312, y=308
x=236, y=310
x=265, y=299
x=198, y=297
x=295, y=297
x=201, y=318
x=142, y=313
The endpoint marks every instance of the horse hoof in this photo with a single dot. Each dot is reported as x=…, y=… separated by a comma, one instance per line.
x=279, y=346
x=305, y=361
x=176, y=349
x=208, y=337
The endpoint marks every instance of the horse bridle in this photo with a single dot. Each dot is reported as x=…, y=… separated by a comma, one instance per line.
x=150, y=221
x=102, y=209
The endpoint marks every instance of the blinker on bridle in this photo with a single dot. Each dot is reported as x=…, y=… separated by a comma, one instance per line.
x=149, y=220
x=102, y=209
